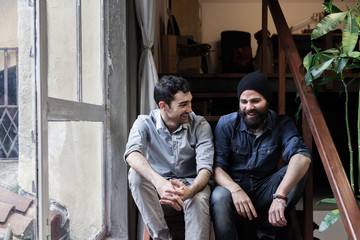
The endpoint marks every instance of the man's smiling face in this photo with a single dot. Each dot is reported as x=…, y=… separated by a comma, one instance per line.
x=253, y=109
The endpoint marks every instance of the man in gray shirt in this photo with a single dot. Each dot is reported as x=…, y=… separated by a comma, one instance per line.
x=170, y=152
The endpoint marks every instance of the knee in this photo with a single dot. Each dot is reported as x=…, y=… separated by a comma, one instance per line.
x=221, y=199
x=201, y=200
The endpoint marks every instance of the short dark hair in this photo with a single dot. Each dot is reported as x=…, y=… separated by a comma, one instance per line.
x=168, y=86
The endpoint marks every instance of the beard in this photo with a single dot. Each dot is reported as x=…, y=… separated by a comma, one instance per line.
x=258, y=120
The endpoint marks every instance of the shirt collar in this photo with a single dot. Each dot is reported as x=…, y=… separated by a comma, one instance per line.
x=161, y=125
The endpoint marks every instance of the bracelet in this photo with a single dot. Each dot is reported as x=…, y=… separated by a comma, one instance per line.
x=236, y=191
x=280, y=201
x=275, y=196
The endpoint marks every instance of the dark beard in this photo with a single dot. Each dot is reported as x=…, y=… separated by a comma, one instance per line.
x=255, y=123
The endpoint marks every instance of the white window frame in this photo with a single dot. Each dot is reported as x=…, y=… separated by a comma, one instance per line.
x=53, y=109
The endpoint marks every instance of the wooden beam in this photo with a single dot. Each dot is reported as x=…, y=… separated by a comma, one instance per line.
x=264, y=36
x=282, y=70
x=339, y=183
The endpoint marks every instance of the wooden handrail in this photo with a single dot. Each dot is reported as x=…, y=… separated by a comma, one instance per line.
x=339, y=183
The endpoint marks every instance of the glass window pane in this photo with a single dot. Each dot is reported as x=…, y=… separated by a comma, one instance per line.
x=62, y=51
x=75, y=178
x=91, y=51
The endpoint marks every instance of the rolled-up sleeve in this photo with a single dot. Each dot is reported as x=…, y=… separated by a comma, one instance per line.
x=295, y=146
x=137, y=137
x=204, y=146
x=292, y=141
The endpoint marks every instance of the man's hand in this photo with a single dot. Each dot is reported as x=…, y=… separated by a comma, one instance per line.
x=243, y=204
x=180, y=189
x=276, y=213
x=166, y=192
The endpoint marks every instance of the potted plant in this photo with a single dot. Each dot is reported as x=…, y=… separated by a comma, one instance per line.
x=324, y=66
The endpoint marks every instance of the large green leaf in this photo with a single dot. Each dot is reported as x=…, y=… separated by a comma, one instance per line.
x=350, y=34
x=327, y=24
x=329, y=220
x=318, y=70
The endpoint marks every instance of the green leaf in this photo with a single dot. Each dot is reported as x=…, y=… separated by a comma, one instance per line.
x=318, y=70
x=327, y=24
x=341, y=64
x=308, y=78
x=329, y=220
x=350, y=34
x=323, y=57
x=354, y=54
x=328, y=200
x=357, y=19
x=332, y=50
x=307, y=60
x=329, y=8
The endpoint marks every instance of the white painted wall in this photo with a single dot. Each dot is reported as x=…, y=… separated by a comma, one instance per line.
x=245, y=15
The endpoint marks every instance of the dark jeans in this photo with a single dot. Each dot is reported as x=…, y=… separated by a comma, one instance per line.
x=260, y=192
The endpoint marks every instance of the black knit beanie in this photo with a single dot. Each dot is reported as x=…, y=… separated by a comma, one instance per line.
x=256, y=81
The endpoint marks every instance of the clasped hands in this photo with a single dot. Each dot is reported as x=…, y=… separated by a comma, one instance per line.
x=246, y=209
x=173, y=193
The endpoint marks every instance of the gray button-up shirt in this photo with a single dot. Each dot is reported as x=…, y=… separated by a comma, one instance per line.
x=181, y=154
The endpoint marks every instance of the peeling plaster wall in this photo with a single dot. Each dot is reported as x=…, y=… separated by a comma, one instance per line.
x=26, y=98
x=122, y=56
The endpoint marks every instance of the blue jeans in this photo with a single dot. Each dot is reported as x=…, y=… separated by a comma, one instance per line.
x=260, y=191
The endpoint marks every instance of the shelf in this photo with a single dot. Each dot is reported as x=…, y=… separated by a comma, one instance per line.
x=212, y=118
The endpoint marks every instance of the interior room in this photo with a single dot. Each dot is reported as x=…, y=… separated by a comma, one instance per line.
x=75, y=75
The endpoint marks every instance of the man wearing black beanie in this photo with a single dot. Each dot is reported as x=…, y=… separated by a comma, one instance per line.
x=248, y=146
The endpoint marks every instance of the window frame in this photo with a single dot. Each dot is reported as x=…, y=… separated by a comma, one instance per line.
x=54, y=109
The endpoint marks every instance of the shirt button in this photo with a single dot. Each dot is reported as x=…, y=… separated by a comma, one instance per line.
x=249, y=167
x=254, y=153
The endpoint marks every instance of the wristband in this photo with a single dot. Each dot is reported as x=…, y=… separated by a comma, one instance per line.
x=281, y=201
x=276, y=196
